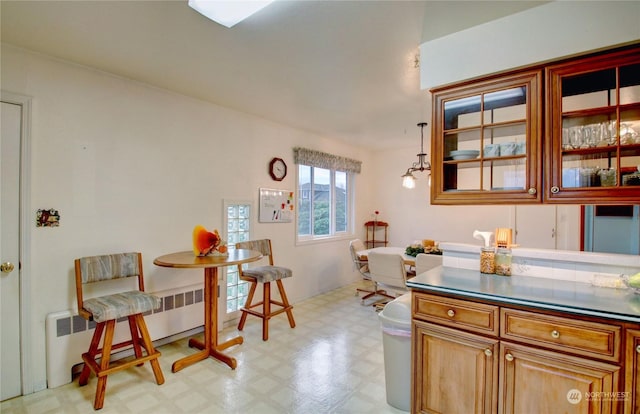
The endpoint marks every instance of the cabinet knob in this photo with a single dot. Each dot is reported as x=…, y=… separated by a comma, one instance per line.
x=451, y=313
x=638, y=349
x=509, y=357
x=555, y=334
x=555, y=190
x=6, y=267
x=532, y=191
x=488, y=352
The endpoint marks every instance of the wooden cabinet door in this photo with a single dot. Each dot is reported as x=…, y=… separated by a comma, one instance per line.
x=593, y=130
x=486, y=140
x=454, y=372
x=539, y=381
x=632, y=372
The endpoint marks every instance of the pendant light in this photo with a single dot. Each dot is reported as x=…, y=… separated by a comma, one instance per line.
x=408, y=179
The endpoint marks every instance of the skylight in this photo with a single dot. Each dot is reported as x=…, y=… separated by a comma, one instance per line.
x=228, y=13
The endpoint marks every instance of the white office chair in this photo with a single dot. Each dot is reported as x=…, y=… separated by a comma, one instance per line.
x=362, y=265
x=426, y=262
x=388, y=271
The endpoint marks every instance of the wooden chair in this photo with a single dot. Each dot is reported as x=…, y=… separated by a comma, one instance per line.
x=265, y=275
x=388, y=271
x=105, y=310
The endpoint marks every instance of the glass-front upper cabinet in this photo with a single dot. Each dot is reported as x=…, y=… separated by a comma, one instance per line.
x=592, y=142
x=485, y=141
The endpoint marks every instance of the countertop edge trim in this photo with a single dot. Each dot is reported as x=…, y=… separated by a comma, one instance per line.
x=541, y=305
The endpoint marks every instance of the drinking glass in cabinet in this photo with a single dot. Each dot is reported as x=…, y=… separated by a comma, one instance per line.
x=628, y=135
x=576, y=137
x=607, y=133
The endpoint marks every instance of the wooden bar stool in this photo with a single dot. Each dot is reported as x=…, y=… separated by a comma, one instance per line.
x=105, y=310
x=265, y=275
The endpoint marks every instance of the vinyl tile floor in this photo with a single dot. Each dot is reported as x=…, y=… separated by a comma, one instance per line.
x=331, y=362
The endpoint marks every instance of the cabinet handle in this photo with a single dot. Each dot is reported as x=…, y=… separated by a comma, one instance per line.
x=555, y=334
x=509, y=357
x=555, y=190
x=532, y=191
x=488, y=352
x=451, y=313
x=638, y=349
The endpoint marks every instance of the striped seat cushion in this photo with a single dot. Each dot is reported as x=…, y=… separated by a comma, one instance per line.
x=118, y=305
x=109, y=266
x=265, y=274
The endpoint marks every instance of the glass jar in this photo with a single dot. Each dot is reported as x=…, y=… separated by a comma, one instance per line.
x=503, y=261
x=607, y=177
x=487, y=260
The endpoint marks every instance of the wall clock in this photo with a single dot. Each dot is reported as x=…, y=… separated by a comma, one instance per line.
x=277, y=169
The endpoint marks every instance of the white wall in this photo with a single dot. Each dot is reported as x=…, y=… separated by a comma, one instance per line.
x=134, y=168
x=550, y=31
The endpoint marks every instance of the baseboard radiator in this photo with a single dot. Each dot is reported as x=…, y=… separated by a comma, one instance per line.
x=68, y=335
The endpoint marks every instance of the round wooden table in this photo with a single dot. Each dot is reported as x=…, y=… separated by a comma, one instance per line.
x=210, y=347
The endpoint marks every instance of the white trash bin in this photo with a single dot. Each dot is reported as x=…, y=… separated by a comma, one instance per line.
x=395, y=319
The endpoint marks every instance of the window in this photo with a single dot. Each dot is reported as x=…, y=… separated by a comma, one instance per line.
x=238, y=224
x=325, y=194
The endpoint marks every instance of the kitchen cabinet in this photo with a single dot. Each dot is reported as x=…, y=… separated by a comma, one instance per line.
x=632, y=371
x=458, y=371
x=593, y=130
x=565, y=132
x=539, y=381
x=486, y=141
x=476, y=356
x=545, y=232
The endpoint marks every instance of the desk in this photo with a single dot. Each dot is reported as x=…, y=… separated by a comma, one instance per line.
x=210, y=347
x=408, y=260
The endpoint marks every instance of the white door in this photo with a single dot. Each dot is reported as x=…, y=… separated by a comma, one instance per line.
x=11, y=375
x=536, y=226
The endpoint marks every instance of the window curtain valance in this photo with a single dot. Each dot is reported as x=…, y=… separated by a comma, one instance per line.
x=323, y=160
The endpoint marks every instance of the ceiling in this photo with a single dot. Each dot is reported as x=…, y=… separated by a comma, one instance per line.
x=341, y=69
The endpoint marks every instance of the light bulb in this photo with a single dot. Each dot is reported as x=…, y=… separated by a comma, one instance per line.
x=408, y=181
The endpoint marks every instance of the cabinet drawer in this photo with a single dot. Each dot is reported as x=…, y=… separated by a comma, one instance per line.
x=579, y=337
x=476, y=317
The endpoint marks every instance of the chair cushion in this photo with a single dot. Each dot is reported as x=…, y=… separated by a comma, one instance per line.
x=110, y=266
x=265, y=274
x=260, y=245
x=118, y=305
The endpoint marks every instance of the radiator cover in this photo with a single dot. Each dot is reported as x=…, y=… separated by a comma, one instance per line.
x=68, y=335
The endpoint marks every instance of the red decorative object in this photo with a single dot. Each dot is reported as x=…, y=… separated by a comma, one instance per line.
x=206, y=243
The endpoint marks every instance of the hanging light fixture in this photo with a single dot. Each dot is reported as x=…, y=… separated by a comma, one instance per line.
x=408, y=179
